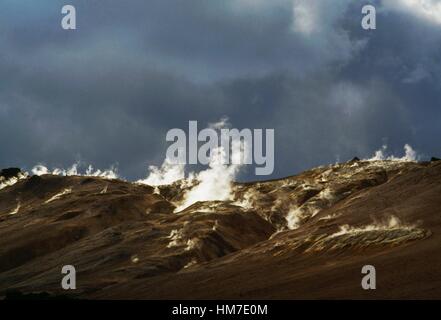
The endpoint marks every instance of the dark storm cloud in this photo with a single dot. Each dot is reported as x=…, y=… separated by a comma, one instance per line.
x=108, y=92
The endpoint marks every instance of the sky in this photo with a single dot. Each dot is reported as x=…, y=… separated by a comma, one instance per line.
x=107, y=93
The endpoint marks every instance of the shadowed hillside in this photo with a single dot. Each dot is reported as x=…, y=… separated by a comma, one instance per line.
x=305, y=236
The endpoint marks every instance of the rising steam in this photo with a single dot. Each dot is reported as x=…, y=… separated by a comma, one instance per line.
x=410, y=155
x=214, y=183
x=40, y=169
x=392, y=224
x=168, y=173
x=73, y=171
x=11, y=181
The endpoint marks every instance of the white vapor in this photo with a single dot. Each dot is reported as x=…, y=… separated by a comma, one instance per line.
x=168, y=173
x=409, y=156
x=392, y=224
x=73, y=171
x=215, y=182
x=222, y=123
x=11, y=181
x=293, y=218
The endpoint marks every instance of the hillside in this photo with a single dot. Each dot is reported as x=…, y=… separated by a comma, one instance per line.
x=304, y=236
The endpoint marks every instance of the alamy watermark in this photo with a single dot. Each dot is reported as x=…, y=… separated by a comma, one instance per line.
x=68, y=21
x=369, y=281
x=224, y=145
x=369, y=20
x=69, y=281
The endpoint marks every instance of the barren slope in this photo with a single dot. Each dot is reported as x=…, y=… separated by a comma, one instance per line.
x=305, y=236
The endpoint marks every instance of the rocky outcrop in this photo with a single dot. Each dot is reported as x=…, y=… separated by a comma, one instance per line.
x=9, y=173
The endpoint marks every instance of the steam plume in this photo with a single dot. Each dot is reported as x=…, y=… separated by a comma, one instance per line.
x=73, y=171
x=410, y=154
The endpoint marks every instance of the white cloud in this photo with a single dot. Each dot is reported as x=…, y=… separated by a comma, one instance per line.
x=305, y=16
x=429, y=10
x=416, y=75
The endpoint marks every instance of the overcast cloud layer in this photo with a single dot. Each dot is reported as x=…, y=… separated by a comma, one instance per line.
x=108, y=92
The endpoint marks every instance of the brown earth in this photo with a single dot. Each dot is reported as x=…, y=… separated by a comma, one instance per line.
x=301, y=237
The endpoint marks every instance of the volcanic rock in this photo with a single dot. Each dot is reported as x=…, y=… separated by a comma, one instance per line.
x=9, y=173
